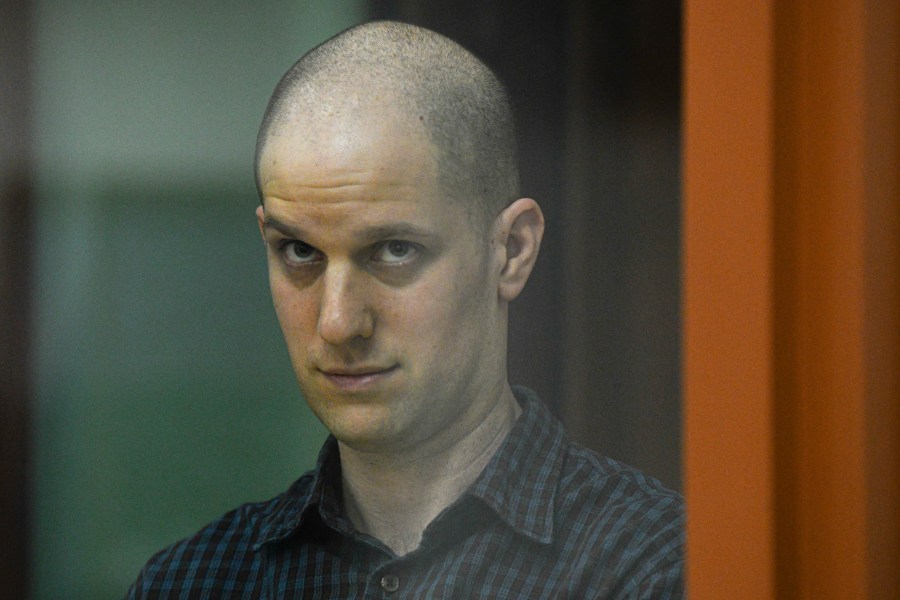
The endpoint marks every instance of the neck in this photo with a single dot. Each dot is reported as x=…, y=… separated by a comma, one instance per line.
x=393, y=497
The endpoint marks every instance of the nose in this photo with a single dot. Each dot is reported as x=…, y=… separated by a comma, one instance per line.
x=344, y=310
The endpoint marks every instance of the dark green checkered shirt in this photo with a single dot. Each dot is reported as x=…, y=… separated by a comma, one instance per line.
x=545, y=519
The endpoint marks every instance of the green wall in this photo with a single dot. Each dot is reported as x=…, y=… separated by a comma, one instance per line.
x=164, y=392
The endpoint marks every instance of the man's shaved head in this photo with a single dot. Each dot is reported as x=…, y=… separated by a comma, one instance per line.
x=401, y=72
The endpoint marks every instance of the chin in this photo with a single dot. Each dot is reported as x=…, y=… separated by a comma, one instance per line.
x=358, y=425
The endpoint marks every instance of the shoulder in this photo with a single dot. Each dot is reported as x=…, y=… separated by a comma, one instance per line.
x=608, y=485
x=222, y=553
x=623, y=519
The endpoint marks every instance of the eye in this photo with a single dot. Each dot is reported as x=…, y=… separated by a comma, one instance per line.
x=299, y=253
x=395, y=251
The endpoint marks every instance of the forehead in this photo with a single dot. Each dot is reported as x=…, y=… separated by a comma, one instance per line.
x=349, y=145
x=344, y=173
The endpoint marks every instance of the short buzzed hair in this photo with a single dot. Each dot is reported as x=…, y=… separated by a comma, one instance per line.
x=464, y=107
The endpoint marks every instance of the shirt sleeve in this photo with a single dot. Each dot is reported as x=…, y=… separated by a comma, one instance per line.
x=654, y=569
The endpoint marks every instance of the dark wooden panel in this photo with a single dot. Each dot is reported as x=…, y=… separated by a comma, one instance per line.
x=15, y=260
x=622, y=233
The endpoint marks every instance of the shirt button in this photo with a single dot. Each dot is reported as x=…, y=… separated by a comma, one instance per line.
x=390, y=583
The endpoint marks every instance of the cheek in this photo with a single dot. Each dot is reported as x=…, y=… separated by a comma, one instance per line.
x=446, y=314
x=294, y=308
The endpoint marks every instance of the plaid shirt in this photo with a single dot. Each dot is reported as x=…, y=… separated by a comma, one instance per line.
x=545, y=519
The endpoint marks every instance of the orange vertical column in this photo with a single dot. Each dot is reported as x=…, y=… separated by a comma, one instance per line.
x=837, y=298
x=792, y=299
x=728, y=344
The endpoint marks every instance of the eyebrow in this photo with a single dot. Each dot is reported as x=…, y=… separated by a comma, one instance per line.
x=288, y=230
x=400, y=229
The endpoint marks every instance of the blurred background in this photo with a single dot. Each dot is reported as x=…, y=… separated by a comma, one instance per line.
x=145, y=384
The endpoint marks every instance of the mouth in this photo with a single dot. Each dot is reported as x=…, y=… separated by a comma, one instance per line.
x=357, y=379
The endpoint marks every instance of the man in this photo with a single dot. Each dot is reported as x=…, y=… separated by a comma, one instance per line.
x=396, y=238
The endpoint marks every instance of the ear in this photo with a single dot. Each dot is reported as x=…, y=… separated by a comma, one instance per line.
x=261, y=220
x=518, y=230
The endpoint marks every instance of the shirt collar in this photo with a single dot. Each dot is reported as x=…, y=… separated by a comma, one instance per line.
x=296, y=505
x=519, y=483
